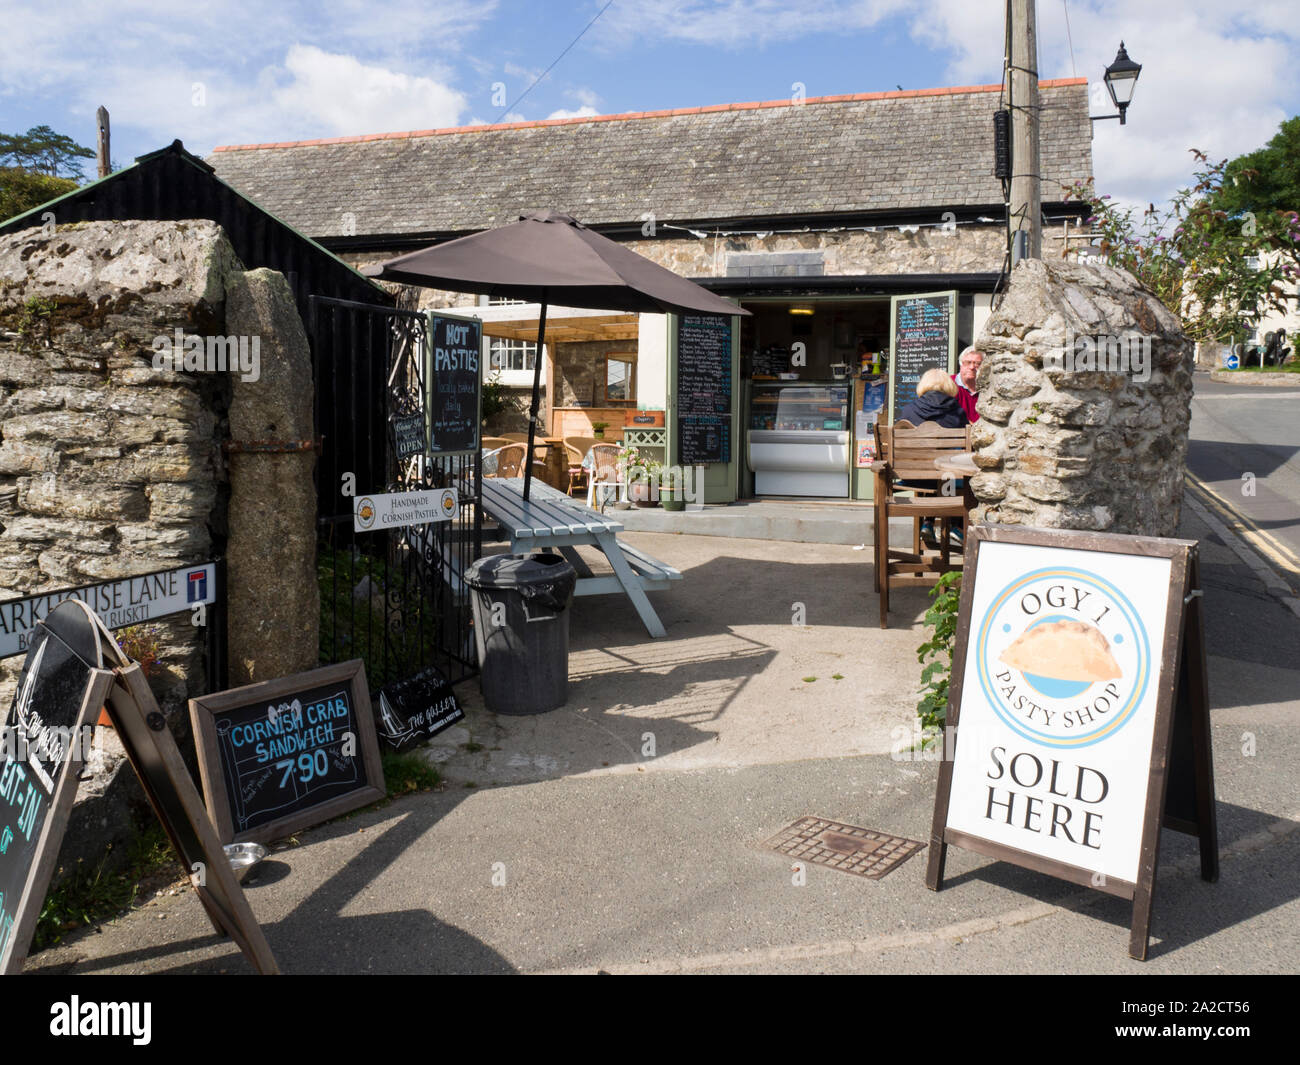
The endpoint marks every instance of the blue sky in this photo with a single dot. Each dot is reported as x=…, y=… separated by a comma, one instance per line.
x=251, y=71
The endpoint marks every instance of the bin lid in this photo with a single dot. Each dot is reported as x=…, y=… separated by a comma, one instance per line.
x=520, y=571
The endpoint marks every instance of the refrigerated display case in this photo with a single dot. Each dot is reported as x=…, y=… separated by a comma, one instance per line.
x=799, y=439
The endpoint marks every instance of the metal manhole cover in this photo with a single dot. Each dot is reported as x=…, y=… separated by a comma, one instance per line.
x=860, y=851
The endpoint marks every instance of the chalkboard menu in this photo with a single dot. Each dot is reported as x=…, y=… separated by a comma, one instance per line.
x=921, y=338
x=44, y=743
x=703, y=388
x=771, y=361
x=454, y=380
x=283, y=755
x=704, y=440
x=412, y=711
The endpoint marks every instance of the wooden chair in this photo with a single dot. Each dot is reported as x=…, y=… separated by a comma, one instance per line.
x=491, y=443
x=605, y=471
x=517, y=438
x=907, y=452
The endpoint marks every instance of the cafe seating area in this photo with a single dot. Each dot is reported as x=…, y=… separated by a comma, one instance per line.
x=909, y=480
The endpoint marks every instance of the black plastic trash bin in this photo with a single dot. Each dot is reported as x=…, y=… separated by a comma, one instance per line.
x=521, y=629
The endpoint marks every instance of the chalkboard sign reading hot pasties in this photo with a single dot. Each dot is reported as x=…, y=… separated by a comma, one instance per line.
x=922, y=341
x=704, y=388
x=453, y=386
x=284, y=755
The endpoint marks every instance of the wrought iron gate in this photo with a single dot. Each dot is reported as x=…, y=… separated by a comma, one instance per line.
x=393, y=598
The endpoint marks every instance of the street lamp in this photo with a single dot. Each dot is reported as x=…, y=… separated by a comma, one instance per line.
x=1121, y=79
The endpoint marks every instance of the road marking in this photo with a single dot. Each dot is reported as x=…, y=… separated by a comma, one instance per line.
x=1237, y=529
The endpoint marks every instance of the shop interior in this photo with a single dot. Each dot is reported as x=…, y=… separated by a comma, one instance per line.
x=810, y=370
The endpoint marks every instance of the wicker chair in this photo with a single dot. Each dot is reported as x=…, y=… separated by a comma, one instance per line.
x=605, y=472
x=510, y=462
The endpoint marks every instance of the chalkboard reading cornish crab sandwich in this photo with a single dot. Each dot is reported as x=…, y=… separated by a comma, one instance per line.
x=704, y=388
x=280, y=756
x=922, y=339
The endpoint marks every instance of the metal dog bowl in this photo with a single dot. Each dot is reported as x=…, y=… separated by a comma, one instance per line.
x=244, y=857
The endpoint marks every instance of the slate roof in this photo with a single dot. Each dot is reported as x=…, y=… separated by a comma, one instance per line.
x=829, y=155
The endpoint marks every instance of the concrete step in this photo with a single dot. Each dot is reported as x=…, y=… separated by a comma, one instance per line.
x=810, y=523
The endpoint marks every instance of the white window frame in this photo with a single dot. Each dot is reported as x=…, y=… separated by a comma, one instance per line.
x=509, y=378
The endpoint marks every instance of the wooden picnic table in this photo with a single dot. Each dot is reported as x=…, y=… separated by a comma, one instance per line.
x=551, y=519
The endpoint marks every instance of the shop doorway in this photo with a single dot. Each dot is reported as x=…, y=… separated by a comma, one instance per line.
x=809, y=367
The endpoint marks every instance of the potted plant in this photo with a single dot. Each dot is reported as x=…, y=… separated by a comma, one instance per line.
x=598, y=429
x=642, y=473
x=670, y=489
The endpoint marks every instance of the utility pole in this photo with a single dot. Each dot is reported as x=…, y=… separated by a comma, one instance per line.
x=101, y=154
x=1022, y=91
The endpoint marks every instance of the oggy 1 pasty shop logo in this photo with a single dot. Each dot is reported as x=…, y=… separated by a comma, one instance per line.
x=1063, y=657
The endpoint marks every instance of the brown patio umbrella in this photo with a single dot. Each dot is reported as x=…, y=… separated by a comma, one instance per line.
x=549, y=257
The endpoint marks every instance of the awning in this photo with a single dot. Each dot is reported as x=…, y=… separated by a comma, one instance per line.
x=518, y=321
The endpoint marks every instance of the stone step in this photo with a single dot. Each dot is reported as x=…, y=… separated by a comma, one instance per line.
x=849, y=523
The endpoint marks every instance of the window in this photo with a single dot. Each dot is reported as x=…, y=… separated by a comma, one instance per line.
x=514, y=360
x=511, y=355
x=620, y=379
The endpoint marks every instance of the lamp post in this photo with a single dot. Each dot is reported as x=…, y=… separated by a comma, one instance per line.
x=1121, y=79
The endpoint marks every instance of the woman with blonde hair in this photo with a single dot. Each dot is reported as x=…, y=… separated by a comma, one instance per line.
x=936, y=401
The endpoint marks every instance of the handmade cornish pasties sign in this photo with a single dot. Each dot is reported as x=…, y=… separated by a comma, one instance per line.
x=1058, y=704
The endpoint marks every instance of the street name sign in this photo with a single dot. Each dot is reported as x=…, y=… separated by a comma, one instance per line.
x=1079, y=707
x=129, y=601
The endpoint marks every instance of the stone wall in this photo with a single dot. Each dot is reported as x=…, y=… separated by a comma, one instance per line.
x=579, y=370
x=1085, y=402
x=112, y=464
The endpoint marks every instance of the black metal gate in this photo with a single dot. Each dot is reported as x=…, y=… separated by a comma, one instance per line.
x=393, y=598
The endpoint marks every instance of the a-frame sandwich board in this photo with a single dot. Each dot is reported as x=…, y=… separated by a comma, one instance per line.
x=154, y=756
x=1138, y=735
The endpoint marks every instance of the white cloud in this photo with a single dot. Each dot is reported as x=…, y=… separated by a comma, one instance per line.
x=736, y=23
x=1212, y=78
x=269, y=71
x=341, y=95
x=580, y=112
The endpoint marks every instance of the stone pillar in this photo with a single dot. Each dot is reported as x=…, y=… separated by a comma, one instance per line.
x=273, y=597
x=1085, y=402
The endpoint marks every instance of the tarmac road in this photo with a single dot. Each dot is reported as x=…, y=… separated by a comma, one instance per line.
x=1245, y=448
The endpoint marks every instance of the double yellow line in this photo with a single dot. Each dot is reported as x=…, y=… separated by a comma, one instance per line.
x=1278, y=554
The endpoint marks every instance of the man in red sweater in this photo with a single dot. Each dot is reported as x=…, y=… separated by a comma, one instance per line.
x=968, y=366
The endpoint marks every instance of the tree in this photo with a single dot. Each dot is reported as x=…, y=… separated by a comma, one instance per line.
x=20, y=191
x=1218, y=271
x=1264, y=180
x=42, y=151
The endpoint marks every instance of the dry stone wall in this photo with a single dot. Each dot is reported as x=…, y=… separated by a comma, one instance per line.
x=1085, y=402
x=112, y=460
